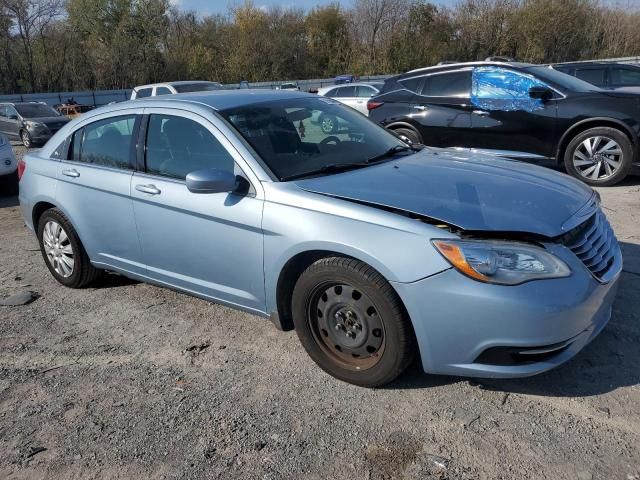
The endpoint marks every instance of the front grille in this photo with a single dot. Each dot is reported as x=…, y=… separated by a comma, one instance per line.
x=595, y=244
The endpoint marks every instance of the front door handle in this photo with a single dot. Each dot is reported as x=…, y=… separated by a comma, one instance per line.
x=480, y=113
x=150, y=189
x=422, y=108
x=71, y=172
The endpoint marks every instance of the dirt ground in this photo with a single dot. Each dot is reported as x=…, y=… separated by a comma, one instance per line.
x=127, y=380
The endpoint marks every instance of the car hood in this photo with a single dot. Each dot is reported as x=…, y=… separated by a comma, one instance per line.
x=471, y=191
x=50, y=121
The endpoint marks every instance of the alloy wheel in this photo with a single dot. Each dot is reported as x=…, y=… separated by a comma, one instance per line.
x=58, y=249
x=597, y=158
x=346, y=325
x=26, y=139
x=327, y=125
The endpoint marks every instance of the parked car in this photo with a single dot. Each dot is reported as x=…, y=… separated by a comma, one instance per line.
x=373, y=250
x=8, y=167
x=516, y=110
x=244, y=84
x=341, y=79
x=31, y=122
x=354, y=95
x=288, y=86
x=607, y=75
x=72, y=110
x=171, y=88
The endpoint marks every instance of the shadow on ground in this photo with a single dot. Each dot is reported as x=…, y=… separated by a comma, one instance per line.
x=608, y=363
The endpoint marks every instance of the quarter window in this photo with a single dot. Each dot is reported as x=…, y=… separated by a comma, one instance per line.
x=414, y=84
x=365, y=92
x=331, y=93
x=106, y=142
x=177, y=146
x=454, y=84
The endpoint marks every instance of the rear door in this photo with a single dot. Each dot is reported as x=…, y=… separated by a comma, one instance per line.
x=209, y=244
x=348, y=95
x=441, y=109
x=364, y=93
x=94, y=181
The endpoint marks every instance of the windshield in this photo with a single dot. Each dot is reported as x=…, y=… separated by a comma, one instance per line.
x=562, y=79
x=36, y=110
x=299, y=136
x=197, y=87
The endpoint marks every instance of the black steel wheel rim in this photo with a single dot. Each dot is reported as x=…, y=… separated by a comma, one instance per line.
x=346, y=325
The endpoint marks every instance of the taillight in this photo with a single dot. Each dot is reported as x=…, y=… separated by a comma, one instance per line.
x=372, y=105
x=22, y=166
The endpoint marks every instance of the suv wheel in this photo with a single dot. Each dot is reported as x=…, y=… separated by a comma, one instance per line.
x=600, y=156
x=63, y=252
x=408, y=134
x=26, y=139
x=351, y=322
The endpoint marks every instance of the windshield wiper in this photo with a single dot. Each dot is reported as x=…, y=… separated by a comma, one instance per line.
x=394, y=151
x=331, y=168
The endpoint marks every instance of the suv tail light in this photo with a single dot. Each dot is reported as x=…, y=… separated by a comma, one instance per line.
x=371, y=105
x=22, y=166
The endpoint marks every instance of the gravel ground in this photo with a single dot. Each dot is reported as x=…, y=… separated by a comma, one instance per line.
x=128, y=380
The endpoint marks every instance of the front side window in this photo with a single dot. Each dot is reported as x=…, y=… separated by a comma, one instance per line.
x=497, y=88
x=108, y=143
x=453, y=84
x=297, y=137
x=177, y=146
x=144, y=92
x=595, y=76
x=625, y=76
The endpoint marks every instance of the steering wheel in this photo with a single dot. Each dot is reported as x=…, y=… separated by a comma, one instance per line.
x=330, y=139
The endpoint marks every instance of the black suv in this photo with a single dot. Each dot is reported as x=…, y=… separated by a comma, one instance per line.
x=32, y=122
x=608, y=75
x=516, y=110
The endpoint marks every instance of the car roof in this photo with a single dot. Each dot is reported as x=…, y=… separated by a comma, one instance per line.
x=454, y=66
x=594, y=62
x=352, y=84
x=221, y=99
x=180, y=82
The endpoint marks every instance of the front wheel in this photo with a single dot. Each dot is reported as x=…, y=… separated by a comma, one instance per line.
x=408, y=135
x=599, y=156
x=351, y=322
x=26, y=139
x=328, y=124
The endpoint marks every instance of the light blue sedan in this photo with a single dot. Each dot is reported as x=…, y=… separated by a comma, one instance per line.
x=374, y=250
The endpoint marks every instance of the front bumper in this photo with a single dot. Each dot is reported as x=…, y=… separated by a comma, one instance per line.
x=459, y=322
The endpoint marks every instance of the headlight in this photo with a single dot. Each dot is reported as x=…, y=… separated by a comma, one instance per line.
x=505, y=263
x=31, y=124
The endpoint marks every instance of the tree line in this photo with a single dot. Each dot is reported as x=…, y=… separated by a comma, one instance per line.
x=68, y=45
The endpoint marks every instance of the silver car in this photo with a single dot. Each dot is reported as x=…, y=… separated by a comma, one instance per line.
x=354, y=95
x=376, y=252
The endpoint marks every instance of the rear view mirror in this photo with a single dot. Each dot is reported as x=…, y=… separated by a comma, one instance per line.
x=542, y=93
x=211, y=180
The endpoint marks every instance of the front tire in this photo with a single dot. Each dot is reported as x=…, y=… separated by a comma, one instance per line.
x=352, y=323
x=63, y=252
x=25, y=137
x=408, y=134
x=600, y=156
x=328, y=124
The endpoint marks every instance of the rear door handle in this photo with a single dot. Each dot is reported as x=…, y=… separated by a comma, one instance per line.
x=422, y=108
x=150, y=189
x=71, y=172
x=480, y=113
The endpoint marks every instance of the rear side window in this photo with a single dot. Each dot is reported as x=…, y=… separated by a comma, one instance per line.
x=594, y=76
x=144, y=92
x=163, y=91
x=347, y=92
x=454, y=84
x=108, y=143
x=177, y=146
x=331, y=93
x=625, y=76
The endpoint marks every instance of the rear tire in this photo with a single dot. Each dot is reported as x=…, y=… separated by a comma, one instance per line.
x=409, y=134
x=352, y=323
x=63, y=252
x=600, y=156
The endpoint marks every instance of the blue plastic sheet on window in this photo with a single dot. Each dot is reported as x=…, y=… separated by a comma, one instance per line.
x=496, y=88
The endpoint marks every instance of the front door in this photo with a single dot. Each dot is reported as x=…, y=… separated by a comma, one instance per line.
x=506, y=120
x=208, y=244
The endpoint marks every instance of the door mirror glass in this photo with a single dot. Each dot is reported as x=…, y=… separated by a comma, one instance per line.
x=12, y=116
x=211, y=180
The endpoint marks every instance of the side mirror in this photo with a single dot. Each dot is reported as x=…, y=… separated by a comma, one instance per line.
x=12, y=116
x=211, y=180
x=541, y=93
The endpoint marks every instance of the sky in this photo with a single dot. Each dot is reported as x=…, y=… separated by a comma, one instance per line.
x=207, y=7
